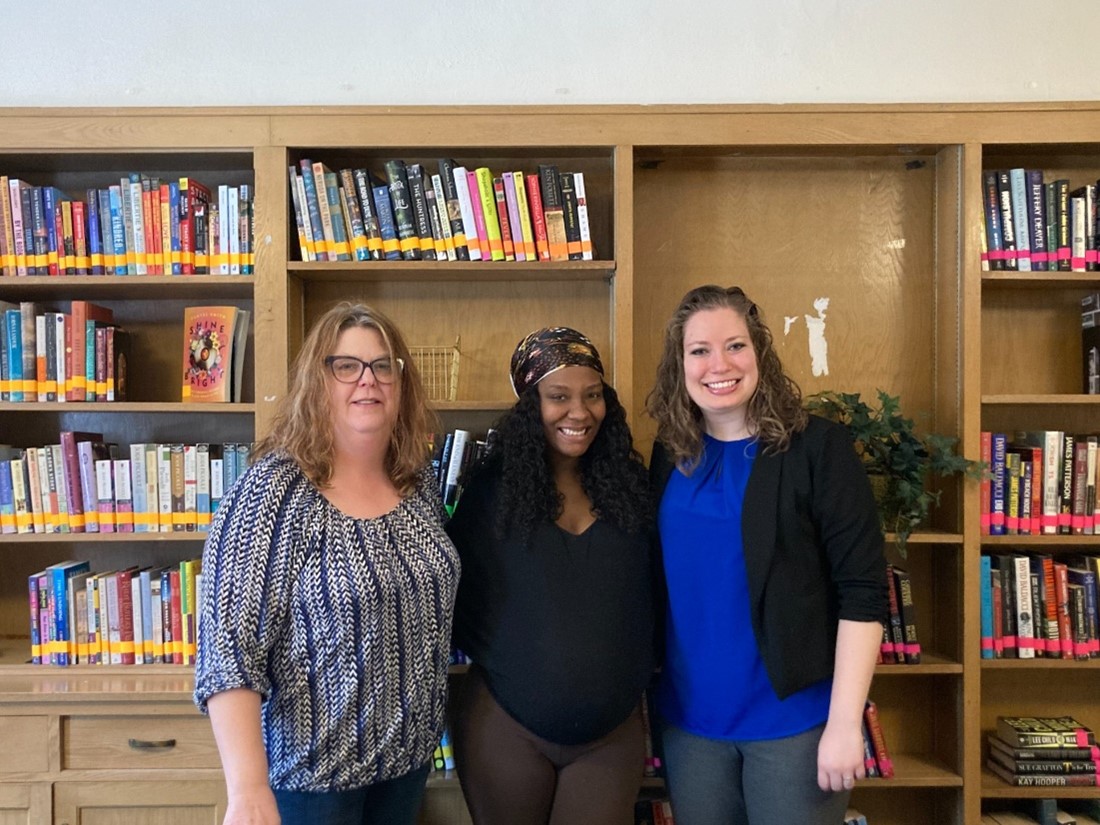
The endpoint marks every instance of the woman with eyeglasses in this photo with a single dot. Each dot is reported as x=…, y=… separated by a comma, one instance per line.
x=775, y=573
x=557, y=604
x=328, y=589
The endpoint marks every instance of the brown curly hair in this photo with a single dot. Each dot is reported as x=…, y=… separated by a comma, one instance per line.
x=775, y=409
x=302, y=427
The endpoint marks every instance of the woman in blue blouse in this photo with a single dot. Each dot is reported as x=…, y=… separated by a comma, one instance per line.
x=776, y=578
x=328, y=588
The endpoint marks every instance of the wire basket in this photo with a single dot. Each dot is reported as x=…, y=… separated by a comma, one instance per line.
x=438, y=368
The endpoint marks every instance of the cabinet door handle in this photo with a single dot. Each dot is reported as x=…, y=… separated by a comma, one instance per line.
x=146, y=744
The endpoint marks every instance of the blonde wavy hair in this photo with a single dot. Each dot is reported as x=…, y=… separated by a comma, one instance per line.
x=775, y=409
x=302, y=427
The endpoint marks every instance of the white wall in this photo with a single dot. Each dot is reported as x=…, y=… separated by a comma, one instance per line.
x=245, y=52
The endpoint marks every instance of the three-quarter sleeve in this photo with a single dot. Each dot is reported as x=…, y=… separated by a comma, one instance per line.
x=245, y=578
x=849, y=528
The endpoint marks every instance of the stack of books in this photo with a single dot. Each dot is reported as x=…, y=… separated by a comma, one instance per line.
x=1040, y=751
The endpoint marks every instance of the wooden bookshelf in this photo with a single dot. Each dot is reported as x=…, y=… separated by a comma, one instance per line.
x=875, y=207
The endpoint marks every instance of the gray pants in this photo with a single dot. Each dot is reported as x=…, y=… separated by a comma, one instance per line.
x=770, y=782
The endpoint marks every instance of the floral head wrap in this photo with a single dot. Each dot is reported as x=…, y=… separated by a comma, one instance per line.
x=547, y=350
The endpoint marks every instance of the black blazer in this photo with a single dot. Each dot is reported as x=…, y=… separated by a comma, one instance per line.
x=813, y=550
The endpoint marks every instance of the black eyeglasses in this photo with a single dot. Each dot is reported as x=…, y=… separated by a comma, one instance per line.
x=347, y=369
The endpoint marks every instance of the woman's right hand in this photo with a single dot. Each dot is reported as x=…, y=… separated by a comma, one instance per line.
x=252, y=808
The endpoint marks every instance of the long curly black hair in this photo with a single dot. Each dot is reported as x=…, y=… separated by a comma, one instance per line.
x=612, y=473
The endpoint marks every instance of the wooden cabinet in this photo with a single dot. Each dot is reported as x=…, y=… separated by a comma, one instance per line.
x=139, y=803
x=856, y=227
x=24, y=803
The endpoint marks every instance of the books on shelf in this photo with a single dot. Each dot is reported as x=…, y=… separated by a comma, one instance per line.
x=1031, y=224
x=1090, y=343
x=460, y=213
x=51, y=356
x=1043, y=482
x=135, y=225
x=214, y=343
x=83, y=485
x=453, y=454
x=878, y=762
x=1043, y=752
x=133, y=616
x=1044, y=732
x=900, y=643
x=1040, y=605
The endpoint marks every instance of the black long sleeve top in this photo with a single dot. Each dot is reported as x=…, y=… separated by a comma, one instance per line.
x=563, y=625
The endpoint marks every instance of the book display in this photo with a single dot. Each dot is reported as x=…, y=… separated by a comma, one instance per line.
x=864, y=233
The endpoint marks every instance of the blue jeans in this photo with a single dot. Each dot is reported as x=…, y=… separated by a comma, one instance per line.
x=769, y=782
x=393, y=802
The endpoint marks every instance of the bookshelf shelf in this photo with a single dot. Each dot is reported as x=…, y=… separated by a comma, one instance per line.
x=472, y=406
x=928, y=537
x=206, y=288
x=1042, y=541
x=914, y=771
x=1076, y=665
x=461, y=271
x=121, y=407
x=930, y=665
x=1046, y=399
x=100, y=538
x=1039, y=280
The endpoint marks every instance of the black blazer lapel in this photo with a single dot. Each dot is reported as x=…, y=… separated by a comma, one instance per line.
x=758, y=521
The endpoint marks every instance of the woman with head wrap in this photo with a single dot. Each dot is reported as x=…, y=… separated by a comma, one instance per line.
x=557, y=601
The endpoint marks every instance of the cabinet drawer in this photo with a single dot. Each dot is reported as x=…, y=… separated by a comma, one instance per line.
x=26, y=744
x=91, y=742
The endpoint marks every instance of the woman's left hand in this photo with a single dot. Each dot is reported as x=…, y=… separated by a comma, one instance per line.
x=840, y=757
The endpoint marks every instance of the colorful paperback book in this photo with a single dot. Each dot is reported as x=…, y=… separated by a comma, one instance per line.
x=208, y=347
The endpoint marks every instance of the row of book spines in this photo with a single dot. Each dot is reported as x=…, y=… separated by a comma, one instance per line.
x=899, y=635
x=1032, y=225
x=131, y=616
x=1030, y=780
x=453, y=454
x=61, y=356
x=139, y=226
x=1034, y=606
x=443, y=757
x=876, y=756
x=1040, y=482
x=456, y=214
x=1082, y=760
x=82, y=486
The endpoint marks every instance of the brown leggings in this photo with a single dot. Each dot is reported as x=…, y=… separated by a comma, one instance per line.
x=512, y=777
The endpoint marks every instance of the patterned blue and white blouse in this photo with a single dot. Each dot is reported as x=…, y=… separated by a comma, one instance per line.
x=341, y=624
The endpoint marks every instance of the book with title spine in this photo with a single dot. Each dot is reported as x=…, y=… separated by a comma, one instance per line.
x=504, y=219
x=403, y=211
x=387, y=227
x=466, y=212
x=493, y=240
x=527, y=230
x=553, y=215
x=570, y=216
x=454, y=211
x=414, y=174
x=1044, y=731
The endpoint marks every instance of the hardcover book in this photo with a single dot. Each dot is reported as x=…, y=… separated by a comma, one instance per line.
x=1033, y=732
